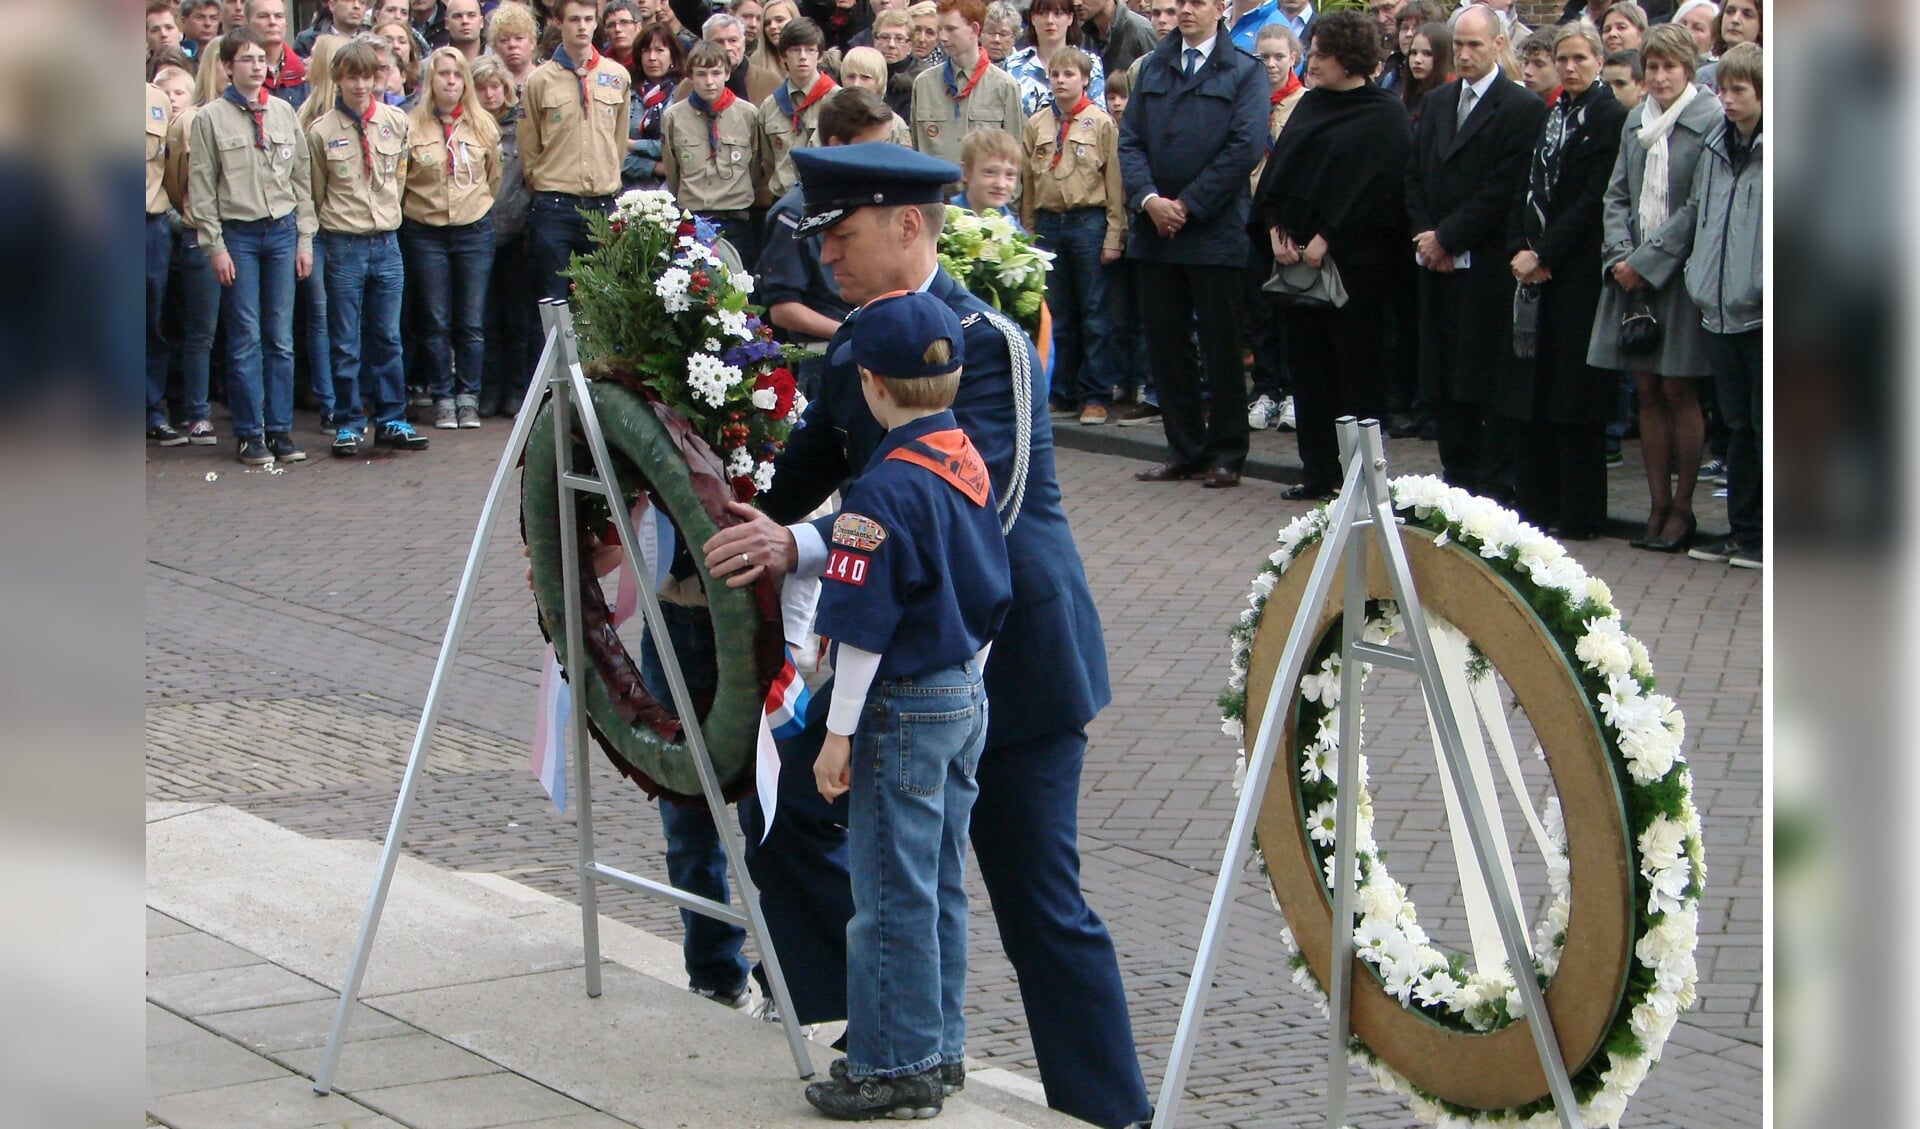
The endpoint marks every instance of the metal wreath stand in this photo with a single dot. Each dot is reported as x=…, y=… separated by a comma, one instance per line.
x=559, y=373
x=1364, y=505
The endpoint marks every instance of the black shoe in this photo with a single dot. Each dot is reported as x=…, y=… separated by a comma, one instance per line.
x=164, y=434
x=1305, y=493
x=1170, y=472
x=399, y=435
x=913, y=1097
x=953, y=1075
x=1747, y=556
x=1133, y=415
x=253, y=451
x=284, y=448
x=347, y=442
x=1678, y=543
x=1715, y=552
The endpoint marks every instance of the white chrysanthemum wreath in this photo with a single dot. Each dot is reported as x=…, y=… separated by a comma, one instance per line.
x=1642, y=731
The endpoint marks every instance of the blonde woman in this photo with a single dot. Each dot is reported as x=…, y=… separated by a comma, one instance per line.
x=320, y=93
x=513, y=335
x=866, y=68
x=446, y=234
x=774, y=17
x=403, y=76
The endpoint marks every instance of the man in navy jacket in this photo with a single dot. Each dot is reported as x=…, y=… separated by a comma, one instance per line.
x=1193, y=131
x=1046, y=680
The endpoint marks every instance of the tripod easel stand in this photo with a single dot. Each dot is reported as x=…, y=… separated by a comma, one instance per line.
x=559, y=374
x=1364, y=505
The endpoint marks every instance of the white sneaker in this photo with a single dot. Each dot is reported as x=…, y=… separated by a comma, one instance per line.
x=1262, y=413
x=1286, y=415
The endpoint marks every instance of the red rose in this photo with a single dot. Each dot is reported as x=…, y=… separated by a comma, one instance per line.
x=781, y=381
x=743, y=488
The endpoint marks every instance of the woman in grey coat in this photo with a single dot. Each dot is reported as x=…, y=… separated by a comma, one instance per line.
x=1645, y=255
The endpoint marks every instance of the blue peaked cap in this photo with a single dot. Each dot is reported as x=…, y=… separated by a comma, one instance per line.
x=838, y=179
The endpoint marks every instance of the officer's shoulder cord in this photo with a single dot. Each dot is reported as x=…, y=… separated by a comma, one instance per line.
x=1020, y=358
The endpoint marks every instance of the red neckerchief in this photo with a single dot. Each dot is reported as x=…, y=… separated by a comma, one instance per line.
x=448, y=123
x=1555, y=95
x=257, y=110
x=360, y=126
x=951, y=456
x=654, y=95
x=1066, y=123
x=979, y=68
x=1288, y=87
x=822, y=86
x=713, y=112
x=585, y=70
x=292, y=71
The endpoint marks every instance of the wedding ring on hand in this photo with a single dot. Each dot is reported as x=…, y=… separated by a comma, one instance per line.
x=746, y=560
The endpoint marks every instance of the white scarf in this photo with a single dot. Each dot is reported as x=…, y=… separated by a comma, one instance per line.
x=1655, y=127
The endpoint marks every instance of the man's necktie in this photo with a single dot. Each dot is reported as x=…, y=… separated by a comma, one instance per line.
x=1467, y=99
x=1193, y=62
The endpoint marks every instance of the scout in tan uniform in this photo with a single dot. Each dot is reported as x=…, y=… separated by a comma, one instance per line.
x=199, y=290
x=964, y=93
x=159, y=260
x=453, y=172
x=1075, y=203
x=359, y=165
x=253, y=206
x=790, y=116
x=707, y=150
x=572, y=140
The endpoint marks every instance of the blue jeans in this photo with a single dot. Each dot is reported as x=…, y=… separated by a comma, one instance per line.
x=513, y=328
x=159, y=259
x=556, y=229
x=199, y=322
x=450, y=266
x=915, y=757
x=695, y=862
x=258, y=311
x=319, y=345
x=1077, y=295
x=364, y=277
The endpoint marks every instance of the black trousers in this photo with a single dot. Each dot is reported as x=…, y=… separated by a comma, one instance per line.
x=1737, y=360
x=1198, y=435
x=1266, y=326
x=1562, y=474
x=1338, y=360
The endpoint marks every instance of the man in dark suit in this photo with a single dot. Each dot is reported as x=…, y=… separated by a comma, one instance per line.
x=878, y=209
x=1470, y=154
x=1194, y=129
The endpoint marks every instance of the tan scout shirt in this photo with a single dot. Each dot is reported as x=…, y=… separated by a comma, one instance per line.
x=230, y=178
x=439, y=198
x=156, y=150
x=701, y=178
x=346, y=200
x=778, y=139
x=1086, y=176
x=938, y=130
x=564, y=148
x=175, y=175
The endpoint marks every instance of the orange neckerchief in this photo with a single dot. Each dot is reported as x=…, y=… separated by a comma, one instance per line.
x=950, y=455
x=448, y=123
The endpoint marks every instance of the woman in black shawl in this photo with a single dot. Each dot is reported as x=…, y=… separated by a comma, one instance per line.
x=1333, y=189
x=1557, y=404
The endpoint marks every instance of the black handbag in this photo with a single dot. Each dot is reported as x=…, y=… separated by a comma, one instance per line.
x=1640, y=331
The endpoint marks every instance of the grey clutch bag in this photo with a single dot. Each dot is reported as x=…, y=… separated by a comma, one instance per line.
x=1302, y=285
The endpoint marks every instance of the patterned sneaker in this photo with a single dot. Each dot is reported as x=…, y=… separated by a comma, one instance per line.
x=200, y=434
x=736, y=999
x=284, y=448
x=466, y=409
x=444, y=416
x=953, y=1075
x=347, y=443
x=399, y=435
x=913, y=1097
x=164, y=434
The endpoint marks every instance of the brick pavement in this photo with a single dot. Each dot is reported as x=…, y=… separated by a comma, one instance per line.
x=294, y=620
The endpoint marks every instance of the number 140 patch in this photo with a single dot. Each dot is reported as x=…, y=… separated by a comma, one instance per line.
x=849, y=568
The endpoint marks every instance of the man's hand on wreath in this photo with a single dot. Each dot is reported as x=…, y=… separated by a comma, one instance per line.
x=741, y=554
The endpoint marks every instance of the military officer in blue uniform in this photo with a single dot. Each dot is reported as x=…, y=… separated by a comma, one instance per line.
x=878, y=209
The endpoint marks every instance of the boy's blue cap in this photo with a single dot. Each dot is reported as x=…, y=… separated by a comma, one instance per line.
x=889, y=335
x=836, y=180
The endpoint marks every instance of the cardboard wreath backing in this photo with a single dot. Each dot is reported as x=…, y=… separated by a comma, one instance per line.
x=1497, y=1069
x=657, y=452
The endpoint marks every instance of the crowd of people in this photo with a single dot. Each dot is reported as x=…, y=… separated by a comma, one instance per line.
x=1547, y=239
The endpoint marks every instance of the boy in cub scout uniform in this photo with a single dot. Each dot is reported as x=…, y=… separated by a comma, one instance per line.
x=573, y=137
x=916, y=586
x=159, y=259
x=707, y=148
x=359, y=169
x=1075, y=203
x=790, y=116
x=966, y=91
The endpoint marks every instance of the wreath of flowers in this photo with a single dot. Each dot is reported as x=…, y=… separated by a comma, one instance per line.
x=990, y=256
x=1642, y=731
x=657, y=308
